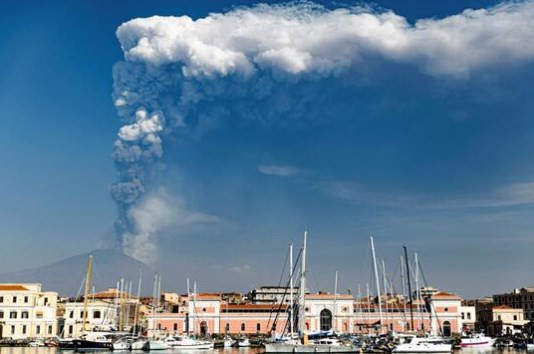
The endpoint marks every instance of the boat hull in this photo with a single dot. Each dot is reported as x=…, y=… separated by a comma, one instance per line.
x=308, y=348
x=436, y=348
x=155, y=345
x=86, y=345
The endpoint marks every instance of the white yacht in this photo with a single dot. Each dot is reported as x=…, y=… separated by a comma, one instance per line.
x=155, y=344
x=424, y=345
x=476, y=340
x=188, y=343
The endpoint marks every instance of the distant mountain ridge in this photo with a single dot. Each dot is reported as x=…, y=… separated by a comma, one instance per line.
x=66, y=276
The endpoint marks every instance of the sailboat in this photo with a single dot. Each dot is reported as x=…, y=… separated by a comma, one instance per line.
x=154, y=343
x=90, y=340
x=330, y=345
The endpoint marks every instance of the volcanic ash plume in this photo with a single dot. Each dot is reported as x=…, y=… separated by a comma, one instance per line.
x=274, y=64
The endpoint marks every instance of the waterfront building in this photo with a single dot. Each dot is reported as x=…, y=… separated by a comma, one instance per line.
x=519, y=299
x=101, y=315
x=208, y=313
x=468, y=313
x=497, y=320
x=27, y=312
x=271, y=294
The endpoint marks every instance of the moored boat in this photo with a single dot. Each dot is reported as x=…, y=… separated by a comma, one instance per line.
x=476, y=340
x=424, y=345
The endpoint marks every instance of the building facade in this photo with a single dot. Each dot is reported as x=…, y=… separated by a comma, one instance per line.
x=101, y=315
x=27, y=312
x=207, y=314
x=518, y=299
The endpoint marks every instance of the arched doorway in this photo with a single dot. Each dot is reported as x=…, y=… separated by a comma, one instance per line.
x=203, y=329
x=446, y=329
x=325, y=320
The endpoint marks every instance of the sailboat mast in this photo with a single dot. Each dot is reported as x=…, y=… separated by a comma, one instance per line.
x=375, y=267
x=335, y=303
x=409, y=284
x=86, y=296
x=385, y=292
x=302, y=289
x=403, y=289
x=291, y=318
x=138, y=301
x=418, y=292
x=368, y=306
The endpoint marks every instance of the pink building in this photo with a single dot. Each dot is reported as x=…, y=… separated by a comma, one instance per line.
x=207, y=314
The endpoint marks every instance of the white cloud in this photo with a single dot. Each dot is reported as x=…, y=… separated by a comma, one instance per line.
x=276, y=170
x=305, y=38
x=506, y=196
x=240, y=268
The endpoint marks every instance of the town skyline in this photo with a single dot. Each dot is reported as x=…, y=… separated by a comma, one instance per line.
x=203, y=138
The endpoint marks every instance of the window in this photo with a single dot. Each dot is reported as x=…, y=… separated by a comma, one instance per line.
x=23, y=329
x=175, y=327
x=325, y=318
x=515, y=317
x=463, y=316
x=97, y=314
x=14, y=299
x=71, y=314
x=446, y=309
x=1, y=299
x=227, y=327
x=46, y=301
x=50, y=328
x=24, y=314
x=258, y=327
x=12, y=329
x=26, y=299
x=13, y=314
x=204, y=309
x=242, y=326
x=1, y=314
x=159, y=325
x=38, y=314
x=37, y=329
x=70, y=329
x=469, y=315
x=82, y=314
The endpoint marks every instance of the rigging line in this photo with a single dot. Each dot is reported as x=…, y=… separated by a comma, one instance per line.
x=282, y=300
x=431, y=303
x=279, y=284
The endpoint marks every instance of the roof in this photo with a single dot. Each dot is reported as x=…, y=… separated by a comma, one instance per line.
x=207, y=296
x=504, y=307
x=329, y=296
x=110, y=294
x=445, y=295
x=254, y=307
x=12, y=287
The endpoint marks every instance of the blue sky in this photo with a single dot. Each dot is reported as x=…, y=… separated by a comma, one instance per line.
x=438, y=162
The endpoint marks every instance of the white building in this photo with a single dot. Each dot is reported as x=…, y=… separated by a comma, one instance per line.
x=27, y=312
x=100, y=315
x=325, y=312
x=468, y=314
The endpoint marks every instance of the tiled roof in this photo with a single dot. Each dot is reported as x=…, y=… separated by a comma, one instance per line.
x=12, y=287
x=445, y=295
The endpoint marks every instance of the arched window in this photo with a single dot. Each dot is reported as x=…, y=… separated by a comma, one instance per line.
x=446, y=329
x=242, y=326
x=227, y=327
x=175, y=327
x=258, y=327
x=326, y=320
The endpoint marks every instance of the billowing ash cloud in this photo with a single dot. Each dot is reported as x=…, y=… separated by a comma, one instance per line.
x=271, y=64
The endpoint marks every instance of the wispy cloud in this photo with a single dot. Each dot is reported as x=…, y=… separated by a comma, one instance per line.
x=505, y=196
x=240, y=268
x=278, y=170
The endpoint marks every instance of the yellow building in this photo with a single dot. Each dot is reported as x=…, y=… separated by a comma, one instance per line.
x=27, y=312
